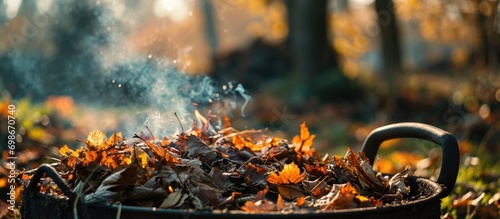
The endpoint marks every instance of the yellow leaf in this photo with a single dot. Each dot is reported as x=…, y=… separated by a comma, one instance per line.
x=96, y=140
x=114, y=139
x=65, y=151
x=362, y=198
x=141, y=156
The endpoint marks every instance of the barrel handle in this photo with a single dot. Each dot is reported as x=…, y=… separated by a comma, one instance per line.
x=52, y=173
x=451, y=157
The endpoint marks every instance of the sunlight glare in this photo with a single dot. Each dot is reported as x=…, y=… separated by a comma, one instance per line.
x=175, y=10
x=12, y=7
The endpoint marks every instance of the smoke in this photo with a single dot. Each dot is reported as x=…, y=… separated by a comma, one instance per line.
x=81, y=51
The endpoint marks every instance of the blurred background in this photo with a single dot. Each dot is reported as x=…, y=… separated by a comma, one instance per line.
x=344, y=67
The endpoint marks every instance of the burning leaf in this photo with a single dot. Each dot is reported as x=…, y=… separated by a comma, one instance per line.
x=289, y=175
x=304, y=142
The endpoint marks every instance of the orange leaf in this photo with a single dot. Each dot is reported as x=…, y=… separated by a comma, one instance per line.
x=304, y=142
x=259, y=206
x=301, y=201
x=72, y=160
x=344, y=198
x=274, y=179
x=25, y=177
x=280, y=203
x=261, y=194
x=89, y=157
x=289, y=175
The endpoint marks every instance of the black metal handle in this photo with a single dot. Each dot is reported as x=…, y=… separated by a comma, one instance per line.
x=451, y=157
x=52, y=173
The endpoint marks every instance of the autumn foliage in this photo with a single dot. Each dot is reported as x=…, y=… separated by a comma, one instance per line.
x=227, y=169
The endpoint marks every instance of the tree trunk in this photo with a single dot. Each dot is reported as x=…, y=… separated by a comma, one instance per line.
x=210, y=29
x=308, y=37
x=390, y=37
x=489, y=54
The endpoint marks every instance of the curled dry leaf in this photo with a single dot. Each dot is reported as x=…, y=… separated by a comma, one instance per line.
x=113, y=187
x=171, y=200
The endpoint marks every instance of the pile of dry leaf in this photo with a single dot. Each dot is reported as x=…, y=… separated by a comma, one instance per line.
x=224, y=170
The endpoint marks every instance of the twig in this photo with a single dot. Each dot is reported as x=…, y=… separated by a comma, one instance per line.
x=151, y=133
x=179, y=120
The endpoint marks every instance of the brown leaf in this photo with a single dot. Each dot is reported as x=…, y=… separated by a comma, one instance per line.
x=144, y=196
x=222, y=182
x=112, y=188
x=261, y=194
x=255, y=175
x=198, y=149
x=207, y=193
x=290, y=192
